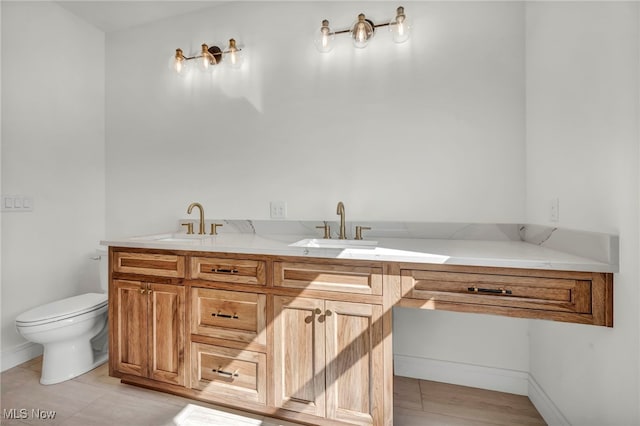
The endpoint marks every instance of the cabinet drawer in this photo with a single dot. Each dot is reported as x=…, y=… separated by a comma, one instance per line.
x=229, y=373
x=228, y=270
x=528, y=292
x=228, y=315
x=341, y=278
x=163, y=265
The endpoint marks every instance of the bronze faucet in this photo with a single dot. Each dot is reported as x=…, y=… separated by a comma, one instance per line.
x=343, y=230
x=198, y=205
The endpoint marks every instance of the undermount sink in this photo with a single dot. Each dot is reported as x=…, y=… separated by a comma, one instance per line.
x=335, y=244
x=174, y=238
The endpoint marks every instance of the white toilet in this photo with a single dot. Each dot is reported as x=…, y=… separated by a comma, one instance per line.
x=73, y=331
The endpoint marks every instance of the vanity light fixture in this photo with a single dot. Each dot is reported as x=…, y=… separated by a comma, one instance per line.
x=207, y=58
x=363, y=30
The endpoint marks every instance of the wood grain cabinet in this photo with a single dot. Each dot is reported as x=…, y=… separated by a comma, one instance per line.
x=151, y=264
x=329, y=277
x=228, y=345
x=148, y=339
x=228, y=374
x=305, y=339
x=328, y=359
x=240, y=271
x=581, y=297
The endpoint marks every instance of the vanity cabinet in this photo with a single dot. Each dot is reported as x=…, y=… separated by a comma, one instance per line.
x=328, y=355
x=300, y=338
x=149, y=330
x=328, y=359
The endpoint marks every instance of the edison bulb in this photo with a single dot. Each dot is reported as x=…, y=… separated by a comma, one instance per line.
x=361, y=32
x=179, y=64
x=205, y=60
x=400, y=27
x=324, y=38
x=234, y=56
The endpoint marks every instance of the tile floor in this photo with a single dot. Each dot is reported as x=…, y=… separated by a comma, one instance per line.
x=95, y=399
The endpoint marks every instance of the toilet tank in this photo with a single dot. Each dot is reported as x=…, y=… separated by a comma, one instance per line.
x=103, y=254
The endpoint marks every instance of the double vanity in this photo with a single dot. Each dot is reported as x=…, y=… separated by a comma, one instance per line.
x=272, y=318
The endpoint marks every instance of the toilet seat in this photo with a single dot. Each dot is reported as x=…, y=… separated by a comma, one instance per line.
x=62, y=309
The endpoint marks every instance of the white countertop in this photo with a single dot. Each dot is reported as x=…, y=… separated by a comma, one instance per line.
x=473, y=252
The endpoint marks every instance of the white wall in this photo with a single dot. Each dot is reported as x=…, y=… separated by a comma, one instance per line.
x=583, y=147
x=428, y=130
x=431, y=130
x=53, y=150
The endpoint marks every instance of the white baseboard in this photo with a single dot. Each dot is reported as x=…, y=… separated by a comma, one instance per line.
x=476, y=376
x=24, y=352
x=545, y=406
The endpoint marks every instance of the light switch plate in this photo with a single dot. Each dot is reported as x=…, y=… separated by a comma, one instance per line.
x=17, y=203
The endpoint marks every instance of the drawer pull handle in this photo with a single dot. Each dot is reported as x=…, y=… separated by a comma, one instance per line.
x=225, y=271
x=221, y=372
x=489, y=290
x=221, y=315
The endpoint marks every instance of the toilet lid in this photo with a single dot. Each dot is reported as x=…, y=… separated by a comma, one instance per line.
x=62, y=309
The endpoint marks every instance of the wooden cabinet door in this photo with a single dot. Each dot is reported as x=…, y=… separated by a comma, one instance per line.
x=354, y=360
x=130, y=308
x=299, y=355
x=166, y=328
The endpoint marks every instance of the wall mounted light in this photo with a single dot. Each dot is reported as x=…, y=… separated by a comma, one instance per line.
x=363, y=30
x=207, y=59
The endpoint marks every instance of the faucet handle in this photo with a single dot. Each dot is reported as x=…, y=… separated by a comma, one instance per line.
x=327, y=230
x=214, y=228
x=359, y=230
x=189, y=226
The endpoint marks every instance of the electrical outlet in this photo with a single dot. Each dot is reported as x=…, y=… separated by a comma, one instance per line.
x=554, y=213
x=278, y=210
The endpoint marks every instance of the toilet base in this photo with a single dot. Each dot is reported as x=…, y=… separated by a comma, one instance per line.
x=73, y=357
x=64, y=362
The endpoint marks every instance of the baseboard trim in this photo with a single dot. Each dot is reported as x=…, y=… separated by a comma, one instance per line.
x=476, y=376
x=19, y=354
x=545, y=406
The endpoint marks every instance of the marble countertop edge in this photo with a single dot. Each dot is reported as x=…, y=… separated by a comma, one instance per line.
x=469, y=252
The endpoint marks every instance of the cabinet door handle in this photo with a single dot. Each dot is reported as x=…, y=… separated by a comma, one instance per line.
x=489, y=290
x=223, y=373
x=221, y=315
x=225, y=271
x=323, y=317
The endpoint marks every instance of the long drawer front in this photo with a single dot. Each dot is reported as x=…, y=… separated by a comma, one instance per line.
x=340, y=278
x=239, y=271
x=550, y=294
x=227, y=373
x=229, y=315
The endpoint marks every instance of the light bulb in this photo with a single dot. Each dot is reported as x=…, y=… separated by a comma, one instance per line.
x=179, y=64
x=361, y=32
x=400, y=27
x=234, y=55
x=324, y=38
x=206, y=60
